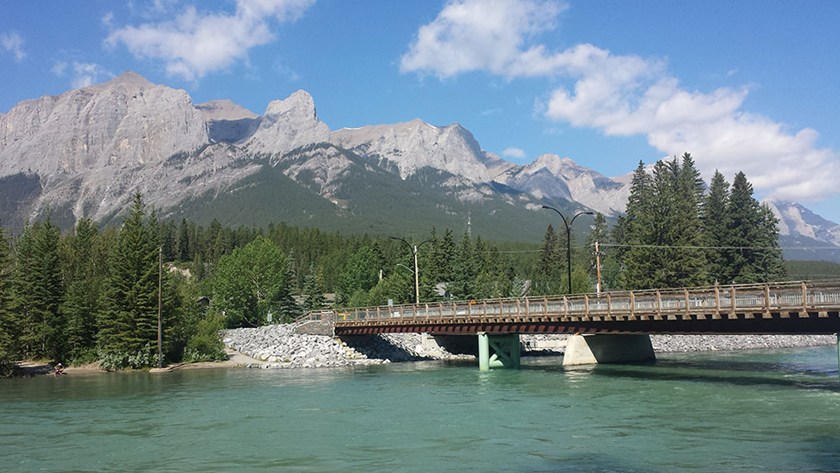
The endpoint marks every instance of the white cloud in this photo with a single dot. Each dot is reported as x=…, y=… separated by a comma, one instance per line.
x=194, y=43
x=85, y=74
x=515, y=153
x=472, y=35
x=623, y=95
x=13, y=43
x=59, y=68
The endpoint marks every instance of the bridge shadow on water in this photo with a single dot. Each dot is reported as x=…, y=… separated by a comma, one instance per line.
x=732, y=372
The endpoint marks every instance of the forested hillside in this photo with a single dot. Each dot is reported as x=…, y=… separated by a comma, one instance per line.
x=95, y=294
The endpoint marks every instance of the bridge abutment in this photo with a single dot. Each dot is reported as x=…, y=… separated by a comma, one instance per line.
x=498, y=351
x=594, y=349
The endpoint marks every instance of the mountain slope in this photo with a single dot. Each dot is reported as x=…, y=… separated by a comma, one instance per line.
x=413, y=145
x=551, y=176
x=804, y=234
x=83, y=153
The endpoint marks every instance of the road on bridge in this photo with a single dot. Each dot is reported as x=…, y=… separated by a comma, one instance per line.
x=777, y=308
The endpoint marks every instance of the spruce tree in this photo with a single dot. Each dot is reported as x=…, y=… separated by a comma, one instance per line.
x=82, y=298
x=688, y=266
x=440, y=269
x=744, y=234
x=638, y=232
x=770, y=262
x=128, y=322
x=550, y=251
x=38, y=292
x=463, y=284
x=313, y=289
x=716, y=229
x=8, y=347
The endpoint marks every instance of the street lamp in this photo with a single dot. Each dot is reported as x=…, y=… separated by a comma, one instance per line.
x=413, y=249
x=568, y=224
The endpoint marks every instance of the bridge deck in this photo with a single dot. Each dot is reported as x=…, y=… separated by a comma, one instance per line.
x=794, y=308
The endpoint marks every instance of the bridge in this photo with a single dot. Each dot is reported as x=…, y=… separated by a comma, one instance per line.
x=621, y=321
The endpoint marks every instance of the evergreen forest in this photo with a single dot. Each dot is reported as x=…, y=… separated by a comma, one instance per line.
x=98, y=294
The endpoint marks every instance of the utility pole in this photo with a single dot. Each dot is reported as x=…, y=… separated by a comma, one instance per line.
x=413, y=249
x=160, y=306
x=598, y=269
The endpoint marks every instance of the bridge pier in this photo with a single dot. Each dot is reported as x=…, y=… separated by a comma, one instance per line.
x=594, y=349
x=504, y=348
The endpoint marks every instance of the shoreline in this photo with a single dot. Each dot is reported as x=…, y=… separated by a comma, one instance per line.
x=280, y=347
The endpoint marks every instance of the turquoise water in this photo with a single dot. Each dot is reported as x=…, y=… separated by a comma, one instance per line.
x=721, y=412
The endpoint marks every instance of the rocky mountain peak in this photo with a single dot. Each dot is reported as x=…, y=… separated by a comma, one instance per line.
x=796, y=220
x=124, y=122
x=416, y=144
x=300, y=104
x=224, y=110
x=286, y=125
x=555, y=165
x=128, y=79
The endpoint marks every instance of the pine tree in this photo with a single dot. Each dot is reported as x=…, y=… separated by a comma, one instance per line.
x=550, y=259
x=128, y=323
x=440, y=269
x=638, y=230
x=38, y=292
x=770, y=262
x=287, y=307
x=744, y=224
x=716, y=229
x=688, y=266
x=463, y=284
x=313, y=289
x=82, y=298
x=8, y=347
x=359, y=275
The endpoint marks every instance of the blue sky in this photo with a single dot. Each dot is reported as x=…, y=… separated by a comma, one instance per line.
x=746, y=85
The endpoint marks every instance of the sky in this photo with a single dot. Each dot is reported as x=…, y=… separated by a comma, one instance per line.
x=746, y=85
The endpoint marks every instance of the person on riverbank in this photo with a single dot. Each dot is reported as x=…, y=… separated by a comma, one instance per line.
x=58, y=370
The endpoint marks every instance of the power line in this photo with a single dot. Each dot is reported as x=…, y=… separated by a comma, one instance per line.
x=697, y=247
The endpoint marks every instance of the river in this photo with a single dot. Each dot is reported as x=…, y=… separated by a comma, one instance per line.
x=776, y=411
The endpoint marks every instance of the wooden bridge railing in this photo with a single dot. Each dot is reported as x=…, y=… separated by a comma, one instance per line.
x=712, y=301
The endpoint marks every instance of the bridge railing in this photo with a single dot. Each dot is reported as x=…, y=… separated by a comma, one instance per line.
x=753, y=298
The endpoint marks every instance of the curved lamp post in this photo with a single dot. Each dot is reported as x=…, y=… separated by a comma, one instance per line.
x=568, y=224
x=413, y=249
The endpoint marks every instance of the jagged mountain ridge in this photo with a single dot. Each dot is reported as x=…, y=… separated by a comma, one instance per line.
x=84, y=152
x=804, y=234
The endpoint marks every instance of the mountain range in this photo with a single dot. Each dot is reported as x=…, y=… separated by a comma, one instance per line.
x=83, y=153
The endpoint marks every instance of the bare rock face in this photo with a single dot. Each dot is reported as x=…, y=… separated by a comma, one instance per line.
x=414, y=145
x=551, y=176
x=121, y=123
x=93, y=147
x=286, y=125
x=227, y=121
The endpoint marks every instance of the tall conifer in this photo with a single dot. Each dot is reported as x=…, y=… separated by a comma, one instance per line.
x=8, y=349
x=84, y=278
x=128, y=323
x=716, y=229
x=38, y=292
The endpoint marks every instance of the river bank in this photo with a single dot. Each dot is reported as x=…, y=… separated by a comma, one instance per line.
x=280, y=346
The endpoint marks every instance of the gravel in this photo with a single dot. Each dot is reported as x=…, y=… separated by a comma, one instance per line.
x=279, y=346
